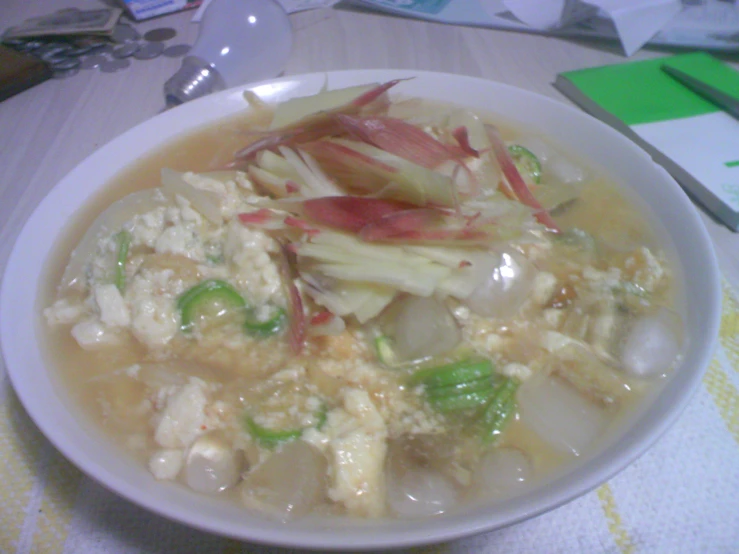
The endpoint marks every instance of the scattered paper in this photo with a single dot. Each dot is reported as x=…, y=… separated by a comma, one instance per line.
x=635, y=21
x=549, y=14
x=68, y=22
x=702, y=24
x=290, y=6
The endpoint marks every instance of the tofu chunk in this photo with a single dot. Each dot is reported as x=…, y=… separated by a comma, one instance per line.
x=356, y=451
x=183, y=418
x=113, y=309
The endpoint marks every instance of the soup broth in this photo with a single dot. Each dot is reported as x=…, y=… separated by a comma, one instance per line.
x=308, y=334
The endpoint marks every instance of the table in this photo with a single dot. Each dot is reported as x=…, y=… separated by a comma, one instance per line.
x=50, y=128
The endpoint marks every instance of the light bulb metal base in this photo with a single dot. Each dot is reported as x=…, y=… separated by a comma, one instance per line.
x=194, y=79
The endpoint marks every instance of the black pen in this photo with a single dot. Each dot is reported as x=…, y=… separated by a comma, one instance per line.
x=727, y=103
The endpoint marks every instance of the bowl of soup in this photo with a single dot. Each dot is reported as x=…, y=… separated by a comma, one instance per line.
x=360, y=309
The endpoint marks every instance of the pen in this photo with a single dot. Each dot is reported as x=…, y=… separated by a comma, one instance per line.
x=727, y=103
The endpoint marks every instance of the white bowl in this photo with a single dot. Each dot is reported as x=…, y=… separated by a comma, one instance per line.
x=80, y=441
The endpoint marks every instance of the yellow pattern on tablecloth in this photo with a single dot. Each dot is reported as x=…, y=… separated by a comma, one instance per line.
x=62, y=483
x=717, y=382
x=17, y=472
x=615, y=525
x=729, y=334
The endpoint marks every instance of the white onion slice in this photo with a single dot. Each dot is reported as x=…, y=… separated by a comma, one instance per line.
x=424, y=327
x=652, y=344
x=206, y=202
x=111, y=220
x=420, y=492
x=560, y=415
x=565, y=171
x=505, y=289
x=211, y=464
x=289, y=483
x=501, y=471
x=331, y=327
x=552, y=161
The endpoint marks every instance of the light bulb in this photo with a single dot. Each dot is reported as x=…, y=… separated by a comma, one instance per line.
x=240, y=41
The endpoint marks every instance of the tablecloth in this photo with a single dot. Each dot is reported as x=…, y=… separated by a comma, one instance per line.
x=682, y=496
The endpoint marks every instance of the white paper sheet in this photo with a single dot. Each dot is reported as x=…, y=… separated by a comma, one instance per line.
x=697, y=24
x=290, y=6
x=635, y=21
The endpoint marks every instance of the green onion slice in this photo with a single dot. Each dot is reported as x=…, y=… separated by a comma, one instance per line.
x=526, y=162
x=203, y=294
x=452, y=374
x=499, y=411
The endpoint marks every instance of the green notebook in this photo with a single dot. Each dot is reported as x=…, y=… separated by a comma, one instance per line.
x=688, y=135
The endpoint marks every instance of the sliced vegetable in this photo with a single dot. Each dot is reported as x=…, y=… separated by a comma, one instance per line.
x=353, y=213
x=261, y=108
x=499, y=410
x=211, y=463
x=413, y=183
x=560, y=415
x=461, y=402
x=206, y=202
x=384, y=350
x=555, y=195
x=114, y=217
x=289, y=483
x=423, y=328
x=296, y=315
x=502, y=470
x=265, y=328
x=516, y=182
x=325, y=323
x=321, y=417
x=526, y=162
x=314, y=179
x=452, y=374
x=295, y=109
x=123, y=239
x=402, y=139
x=652, y=344
x=271, y=437
x=505, y=288
x=466, y=387
x=204, y=294
x=315, y=126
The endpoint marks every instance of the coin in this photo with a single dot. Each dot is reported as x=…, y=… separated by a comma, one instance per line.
x=112, y=66
x=65, y=63
x=64, y=73
x=149, y=50
x=51, y=49
x=176, y=50
x=128, y=49
x=30, y=46
x=124, y=33
x=80, y=51
x=14, y=41
x=50, y=55
x=94, y=45
x=160, y=35
x=92, y=62
x=54, y=58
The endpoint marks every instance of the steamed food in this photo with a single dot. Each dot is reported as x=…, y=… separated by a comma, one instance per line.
x=381, y=307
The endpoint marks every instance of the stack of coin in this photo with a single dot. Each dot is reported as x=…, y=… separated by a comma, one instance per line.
x=68, y=57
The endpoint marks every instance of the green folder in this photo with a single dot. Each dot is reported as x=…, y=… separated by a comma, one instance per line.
x=691, y=137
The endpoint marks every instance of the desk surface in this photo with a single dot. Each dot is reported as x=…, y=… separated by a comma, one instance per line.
x=50, y=128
